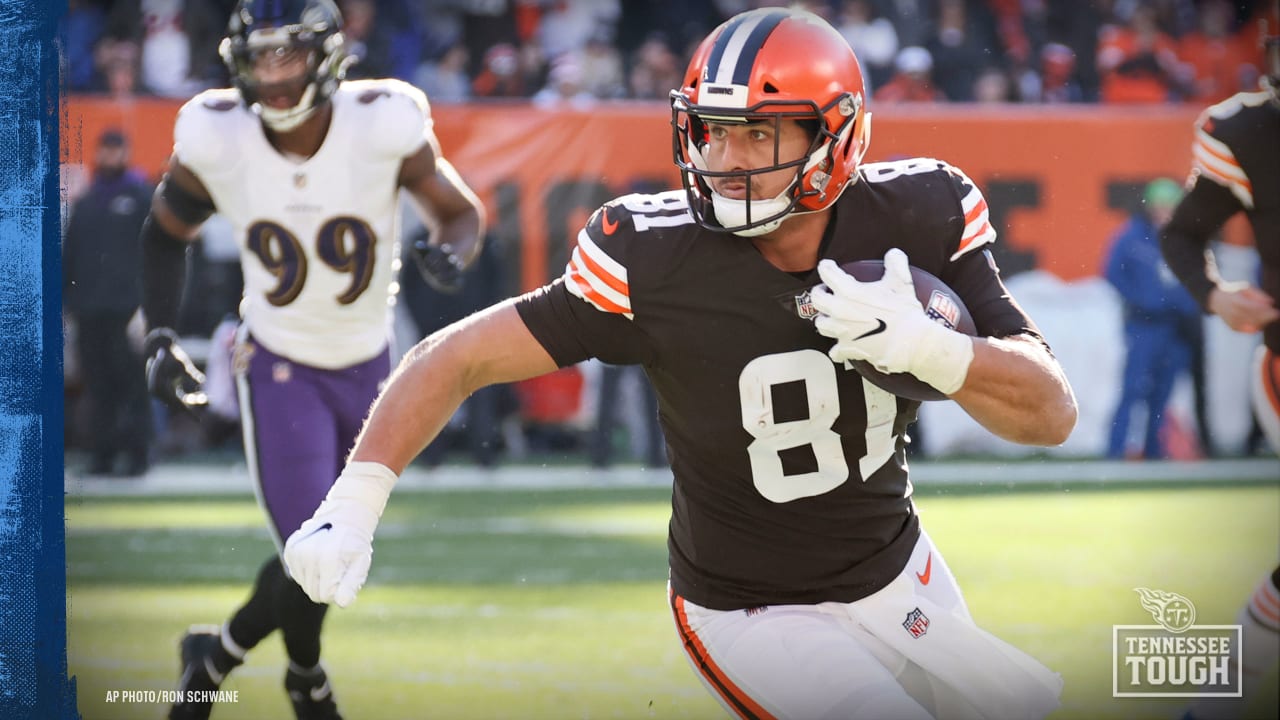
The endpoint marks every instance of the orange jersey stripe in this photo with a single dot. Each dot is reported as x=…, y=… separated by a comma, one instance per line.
x=1265, y=612
x=609, y=278
x=1228, y=159
x=966, y=242
x=592, y=294
x=1265, y=597
x=977, y=210
x=732, y=695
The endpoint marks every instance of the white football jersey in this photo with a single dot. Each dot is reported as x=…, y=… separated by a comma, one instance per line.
x=318, y=237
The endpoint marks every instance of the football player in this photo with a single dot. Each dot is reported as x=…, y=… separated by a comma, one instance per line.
x=307, y=168
x=1236, y=168
x=802, y=584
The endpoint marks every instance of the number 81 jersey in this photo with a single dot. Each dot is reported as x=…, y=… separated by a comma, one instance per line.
x=790, y=473
x=318, y=236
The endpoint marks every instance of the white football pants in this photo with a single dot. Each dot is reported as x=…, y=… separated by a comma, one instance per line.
x=910, y=651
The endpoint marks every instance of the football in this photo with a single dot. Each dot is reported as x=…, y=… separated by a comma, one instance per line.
x=938, y=301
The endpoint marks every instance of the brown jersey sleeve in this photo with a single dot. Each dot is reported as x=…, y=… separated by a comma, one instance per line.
x=572, y=330
x=1185, y=240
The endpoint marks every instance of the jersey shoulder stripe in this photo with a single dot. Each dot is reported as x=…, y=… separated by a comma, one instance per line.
x=597, y=278
x=597, y=271
x=1218, y=129
x=977, y=217
x=1215, y=160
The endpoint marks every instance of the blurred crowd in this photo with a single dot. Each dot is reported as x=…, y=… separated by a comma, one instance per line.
x=576, y=52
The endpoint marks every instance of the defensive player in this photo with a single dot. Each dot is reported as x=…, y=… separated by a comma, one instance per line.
x=307, y=168
x=802, y=585
x=1235, y=168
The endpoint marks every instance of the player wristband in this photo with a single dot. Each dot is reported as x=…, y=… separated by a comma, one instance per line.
x=943, y=360
x=366, y=483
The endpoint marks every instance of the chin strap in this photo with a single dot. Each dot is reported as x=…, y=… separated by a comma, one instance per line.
x=286, y=120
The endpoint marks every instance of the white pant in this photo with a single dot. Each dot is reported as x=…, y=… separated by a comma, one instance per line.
x=909, y=651
x=1265, y=392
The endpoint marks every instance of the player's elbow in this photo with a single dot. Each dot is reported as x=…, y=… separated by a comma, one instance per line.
x=1063, y=421
x=1055, y=421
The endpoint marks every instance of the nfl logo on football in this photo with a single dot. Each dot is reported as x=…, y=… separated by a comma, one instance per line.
x=1176, y=657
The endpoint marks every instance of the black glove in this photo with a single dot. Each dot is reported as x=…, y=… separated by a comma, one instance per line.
x=440, y=267
x=171, y=376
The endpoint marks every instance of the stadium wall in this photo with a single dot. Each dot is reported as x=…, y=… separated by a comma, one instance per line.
x=1059, y=180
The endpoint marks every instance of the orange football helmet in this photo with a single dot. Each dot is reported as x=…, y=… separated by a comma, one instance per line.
x=771, y=64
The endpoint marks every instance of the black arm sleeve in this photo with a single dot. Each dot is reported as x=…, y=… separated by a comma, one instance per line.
x=164, y=267
x=1185, y=240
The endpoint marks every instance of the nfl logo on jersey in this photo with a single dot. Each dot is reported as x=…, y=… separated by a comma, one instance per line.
x=916, y=623
x=943, y=310
x=804, y=306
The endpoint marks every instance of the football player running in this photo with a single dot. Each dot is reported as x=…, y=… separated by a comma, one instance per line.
x=307, y=168
x=801, y=585
x=1236, y=168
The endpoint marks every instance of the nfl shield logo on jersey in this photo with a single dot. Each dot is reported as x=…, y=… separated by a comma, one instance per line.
x=804, y=306
x=916, y=623
x=943, y=310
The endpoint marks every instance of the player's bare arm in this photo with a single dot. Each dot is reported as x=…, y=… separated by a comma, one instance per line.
x=433, y=379
x=330, y=554
x=440, y=191
x=1017, y=390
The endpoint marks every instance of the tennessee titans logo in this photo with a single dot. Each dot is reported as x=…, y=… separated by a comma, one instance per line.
x=916, y=623
x=1173, y=611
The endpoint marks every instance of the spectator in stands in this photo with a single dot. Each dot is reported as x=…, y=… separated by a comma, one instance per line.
x=602, y=65
x=445, y=79
x=1155, y=305
x=992, y=86
x=1057, y=75
x=371, y=40
x=101, y=293
x=960, y=49
x=564, y=86
x=913, y=81
x=1138, y=62
x=1215, y=53
x=873, y=39
x=79, y=31
x=117, y=62
x=177, y=41
x=500, y=76
x=655, y=69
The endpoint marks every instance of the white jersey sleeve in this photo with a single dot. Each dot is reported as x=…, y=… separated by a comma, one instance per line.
x=399, y=116
x=205, y=133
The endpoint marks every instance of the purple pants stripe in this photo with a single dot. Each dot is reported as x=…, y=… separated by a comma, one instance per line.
x=299, y=424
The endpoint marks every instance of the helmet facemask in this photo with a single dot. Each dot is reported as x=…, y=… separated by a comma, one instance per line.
x=257, y=57
x=751, y=216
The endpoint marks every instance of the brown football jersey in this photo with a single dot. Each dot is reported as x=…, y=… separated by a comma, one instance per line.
x=1235, y=167
x=790, y=472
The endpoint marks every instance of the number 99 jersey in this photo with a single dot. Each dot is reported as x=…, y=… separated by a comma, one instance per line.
x=318, y=236
x=790, y=472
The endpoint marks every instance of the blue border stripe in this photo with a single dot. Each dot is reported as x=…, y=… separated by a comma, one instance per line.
x=33, y=657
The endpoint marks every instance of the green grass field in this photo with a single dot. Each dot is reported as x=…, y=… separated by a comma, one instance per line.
x=552, y=604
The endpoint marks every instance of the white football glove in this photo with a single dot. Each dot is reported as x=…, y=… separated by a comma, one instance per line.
x=883, y=323
x=329, y=556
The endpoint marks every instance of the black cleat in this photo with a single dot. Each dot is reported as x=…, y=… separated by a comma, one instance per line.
x=199, y=675
x=311, y=695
